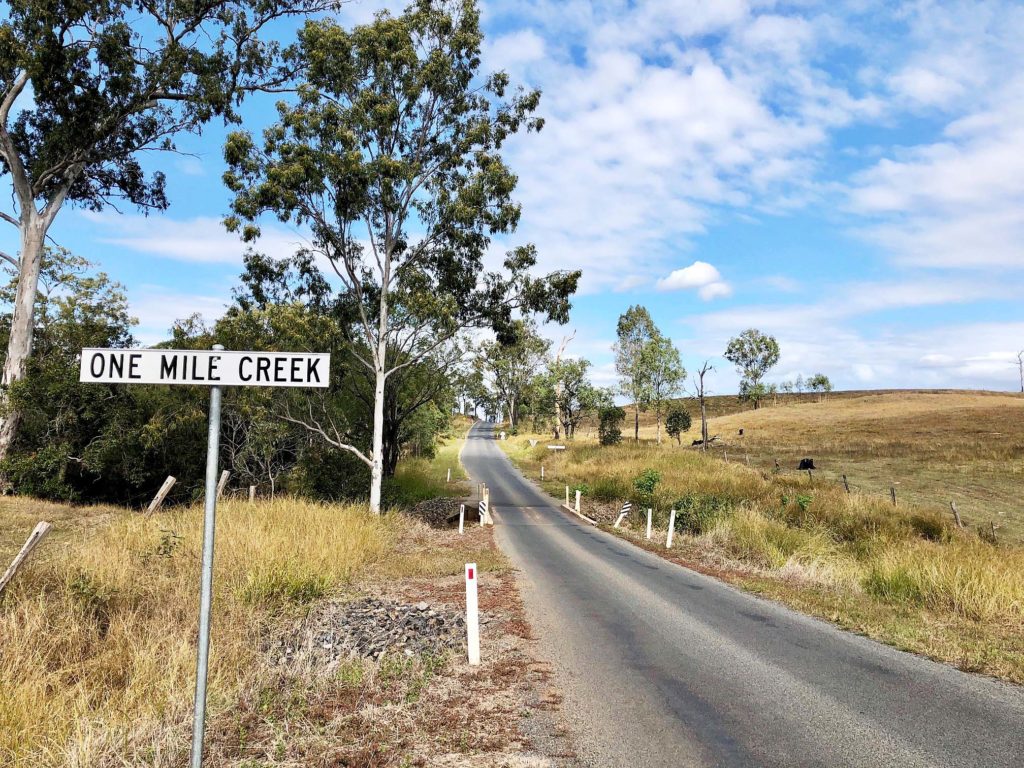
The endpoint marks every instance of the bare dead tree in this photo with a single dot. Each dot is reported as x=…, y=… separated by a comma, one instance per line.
x=701, y=394
x=1020, y=369
x=558, y=384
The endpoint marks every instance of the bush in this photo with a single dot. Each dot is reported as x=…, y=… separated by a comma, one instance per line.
x=645, y=483
x=610, y=420
x=698, y=513
x=677, y=422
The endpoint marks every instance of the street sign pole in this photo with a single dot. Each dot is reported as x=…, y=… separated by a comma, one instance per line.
x=206, y=592
x=216, y=369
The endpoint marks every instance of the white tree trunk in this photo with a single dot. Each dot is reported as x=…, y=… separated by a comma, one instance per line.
x=19, y=346
x=377, y=450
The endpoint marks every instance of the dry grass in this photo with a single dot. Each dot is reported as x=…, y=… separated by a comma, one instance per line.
x=97, y=641
x=933, y=447
x=905, y=575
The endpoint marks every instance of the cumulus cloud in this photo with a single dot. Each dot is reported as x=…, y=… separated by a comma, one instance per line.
x=700, y=275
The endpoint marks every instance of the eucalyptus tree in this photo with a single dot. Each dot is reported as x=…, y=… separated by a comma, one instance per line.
x=665, y=374
x=754, y=354
x=510, y=371
x=86, y=87
x=391, y=157
x=635, y=331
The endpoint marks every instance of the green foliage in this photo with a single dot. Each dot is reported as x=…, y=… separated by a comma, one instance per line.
x=101, y=81
x=754, y=354
x=506, y=373
x=697, y=513
x=664, y=370
x=677, y=422
x=609, y=430
x=645, y=483
x=635, y=330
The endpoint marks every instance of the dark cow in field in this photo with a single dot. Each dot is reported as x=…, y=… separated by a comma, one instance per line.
x=806, y=464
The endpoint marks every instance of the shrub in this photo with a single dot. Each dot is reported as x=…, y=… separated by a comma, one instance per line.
x=677, y=422
x=645, y=483
x=698, y=513
x=609, y=429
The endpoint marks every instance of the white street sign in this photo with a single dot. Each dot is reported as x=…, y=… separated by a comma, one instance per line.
x=205, y=367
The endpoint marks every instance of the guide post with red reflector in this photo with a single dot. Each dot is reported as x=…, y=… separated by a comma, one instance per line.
x=472, y=616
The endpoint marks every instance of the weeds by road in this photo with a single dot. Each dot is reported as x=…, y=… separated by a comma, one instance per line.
x=97, y=636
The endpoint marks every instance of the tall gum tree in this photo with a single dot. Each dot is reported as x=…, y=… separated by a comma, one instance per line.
x=85, y=87
x=391, y=157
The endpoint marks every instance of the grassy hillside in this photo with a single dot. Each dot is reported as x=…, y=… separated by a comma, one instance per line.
x=932, y=447
x=903, y=574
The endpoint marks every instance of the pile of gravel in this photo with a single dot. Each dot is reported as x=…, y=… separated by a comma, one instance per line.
x=438, y=513
x=369, y=628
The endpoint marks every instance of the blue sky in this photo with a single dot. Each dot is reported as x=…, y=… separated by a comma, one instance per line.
x=846, y=176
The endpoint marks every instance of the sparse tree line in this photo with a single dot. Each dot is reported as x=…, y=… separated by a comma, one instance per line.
x=386, y=149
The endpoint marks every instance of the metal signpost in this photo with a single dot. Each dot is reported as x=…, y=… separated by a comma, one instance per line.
x=215, y=368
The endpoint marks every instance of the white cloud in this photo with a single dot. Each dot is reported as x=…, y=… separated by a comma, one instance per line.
x=157, y=309
x=698, y=274
x=202, y=239
x=715, y=290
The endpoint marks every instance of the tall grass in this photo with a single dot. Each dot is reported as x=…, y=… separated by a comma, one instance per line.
x=803, y=530
x=97, y=638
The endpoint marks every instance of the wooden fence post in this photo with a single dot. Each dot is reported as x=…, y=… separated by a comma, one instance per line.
x=956, y=514
x=892, y=492
x=37, y=535
x=154, y=505
x=846, y=484
x=222, y=482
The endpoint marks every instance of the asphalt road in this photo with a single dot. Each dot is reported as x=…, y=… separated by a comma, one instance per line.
x=662, y=666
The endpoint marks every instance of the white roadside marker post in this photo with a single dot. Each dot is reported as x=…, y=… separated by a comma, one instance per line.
x=252, y=493
x=671, y=529
x=567, y=495
x=627, y=507
x=577, y=502
x=648, y=522
x=472, y=616
x=462, y=517
x=449, y=479
x=541, y=471
x=216, y=369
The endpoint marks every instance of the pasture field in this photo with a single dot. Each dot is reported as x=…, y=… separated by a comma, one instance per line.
x=932, y=447
x=905, y=575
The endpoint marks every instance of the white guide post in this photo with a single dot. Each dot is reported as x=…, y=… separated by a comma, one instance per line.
x=648, y=522
x=541, y=471
x=462, y=517
x=671, y=529
x=577, y=502
x=449, y=479
x=567, y=495
x=472, y=616
x=252, y=493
